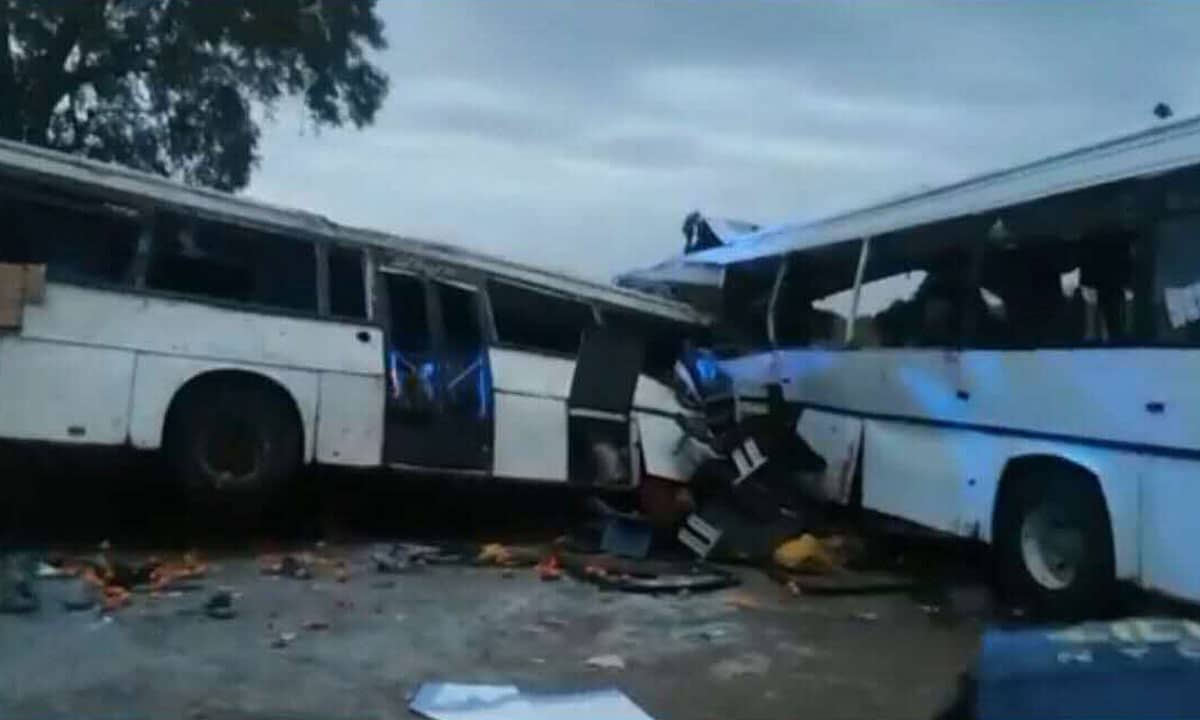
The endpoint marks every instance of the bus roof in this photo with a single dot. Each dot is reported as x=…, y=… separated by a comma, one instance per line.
x=133, y=187
x=1159, y=149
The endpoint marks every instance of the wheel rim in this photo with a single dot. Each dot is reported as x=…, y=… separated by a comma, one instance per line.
x=232, y=450
x=1052, y=546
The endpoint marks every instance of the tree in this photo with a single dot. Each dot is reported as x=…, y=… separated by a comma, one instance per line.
x=177, y=87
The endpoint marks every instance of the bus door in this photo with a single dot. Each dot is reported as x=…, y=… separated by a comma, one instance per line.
x=438, y=382
x=600, y=431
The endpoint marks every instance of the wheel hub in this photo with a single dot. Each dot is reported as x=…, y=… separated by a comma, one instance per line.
x=232, y=451
x=1052, y=547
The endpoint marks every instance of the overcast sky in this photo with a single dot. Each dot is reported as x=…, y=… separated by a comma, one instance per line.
x=576, y=134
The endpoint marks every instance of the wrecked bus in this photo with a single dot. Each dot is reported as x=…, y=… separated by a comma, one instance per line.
x=244, y=340
x=1011, y=358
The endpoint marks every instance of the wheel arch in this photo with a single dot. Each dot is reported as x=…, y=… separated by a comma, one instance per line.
x=233, y=375
x=1024, y=467
x=159, y=385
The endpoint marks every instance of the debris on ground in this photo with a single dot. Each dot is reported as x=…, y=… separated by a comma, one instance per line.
x=298, y=567
x=47, y=571
x=401, y=557
x=316, y=625
x=549, y=568
x=744, y=665
x=282, y=640
x=455, y=701
x=743, y=601
x=606, y=662
x=220, y=605
x=647, y=576
x=866, y=616
x=177, y=575
x=112, y=581
x=664, y=503
x=17, y=593
x=626, y=536
x=81, y=595
x=845, y=582
x=807, y=554
x=509, y=556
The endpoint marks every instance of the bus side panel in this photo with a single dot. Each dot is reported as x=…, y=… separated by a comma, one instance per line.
x=968, y=414
x=149, y=323
x=350, y=420
x=665, y=447
x=1170, y=510
x=751, y=374
x=929, y=474
x=530, y=440
x=60, y=392
x=158, y=378
x=667, y=451
x=1124, y=395
x=836, y=438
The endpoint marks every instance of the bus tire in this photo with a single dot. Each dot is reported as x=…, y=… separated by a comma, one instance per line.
x=1053, y=542
x=233, y=434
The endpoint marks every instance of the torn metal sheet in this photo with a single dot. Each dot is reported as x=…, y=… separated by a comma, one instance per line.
x=457, y=701
x=836, y=438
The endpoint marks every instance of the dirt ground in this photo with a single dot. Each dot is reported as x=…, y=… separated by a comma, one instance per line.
x=361, y=646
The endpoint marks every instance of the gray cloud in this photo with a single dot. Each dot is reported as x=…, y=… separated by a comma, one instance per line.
x=577, y=133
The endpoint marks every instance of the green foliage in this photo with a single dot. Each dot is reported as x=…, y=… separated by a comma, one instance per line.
x=172, y=86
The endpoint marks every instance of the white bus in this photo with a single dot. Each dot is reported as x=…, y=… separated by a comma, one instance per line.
x=246, y=340
x=1013, y=358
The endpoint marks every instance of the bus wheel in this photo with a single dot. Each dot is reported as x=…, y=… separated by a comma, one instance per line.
x=1054, y=549
x=233, y=434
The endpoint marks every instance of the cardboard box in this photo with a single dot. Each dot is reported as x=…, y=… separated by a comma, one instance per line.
x=12, y=296
x=35, y=284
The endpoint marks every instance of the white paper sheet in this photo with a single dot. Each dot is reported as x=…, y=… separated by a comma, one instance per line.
x=455, y=701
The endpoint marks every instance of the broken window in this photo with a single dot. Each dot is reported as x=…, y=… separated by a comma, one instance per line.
x=915, y=292
x=412, y=372
x=1176, y=285
x=79, y=239
x=231, y=263
x=347, y=283
x=663, y=339
x=1056, y=291
x=463, y=361
x=407, y=313
x=815, y=295
x=745, y=299
x=527, y=318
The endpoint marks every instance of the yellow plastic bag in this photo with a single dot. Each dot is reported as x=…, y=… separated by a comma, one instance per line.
x=806, y=554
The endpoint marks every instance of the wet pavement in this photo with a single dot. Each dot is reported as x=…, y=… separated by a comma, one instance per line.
x=320, y=648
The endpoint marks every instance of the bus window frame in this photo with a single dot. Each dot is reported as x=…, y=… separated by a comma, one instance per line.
x=494, y=331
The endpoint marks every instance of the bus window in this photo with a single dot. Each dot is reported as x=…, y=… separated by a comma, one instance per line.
x=1176, y=287
x=79, y=240
x=745, y=300
x=347, y=285
x=231, y=263
x=410, y=366
x=526, y=318
x=1047, y=291
x=463, y=361
x=914, y=293
x=813, y=306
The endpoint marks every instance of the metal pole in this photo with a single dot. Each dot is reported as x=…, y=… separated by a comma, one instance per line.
x=858, y=277
x=773, y=303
